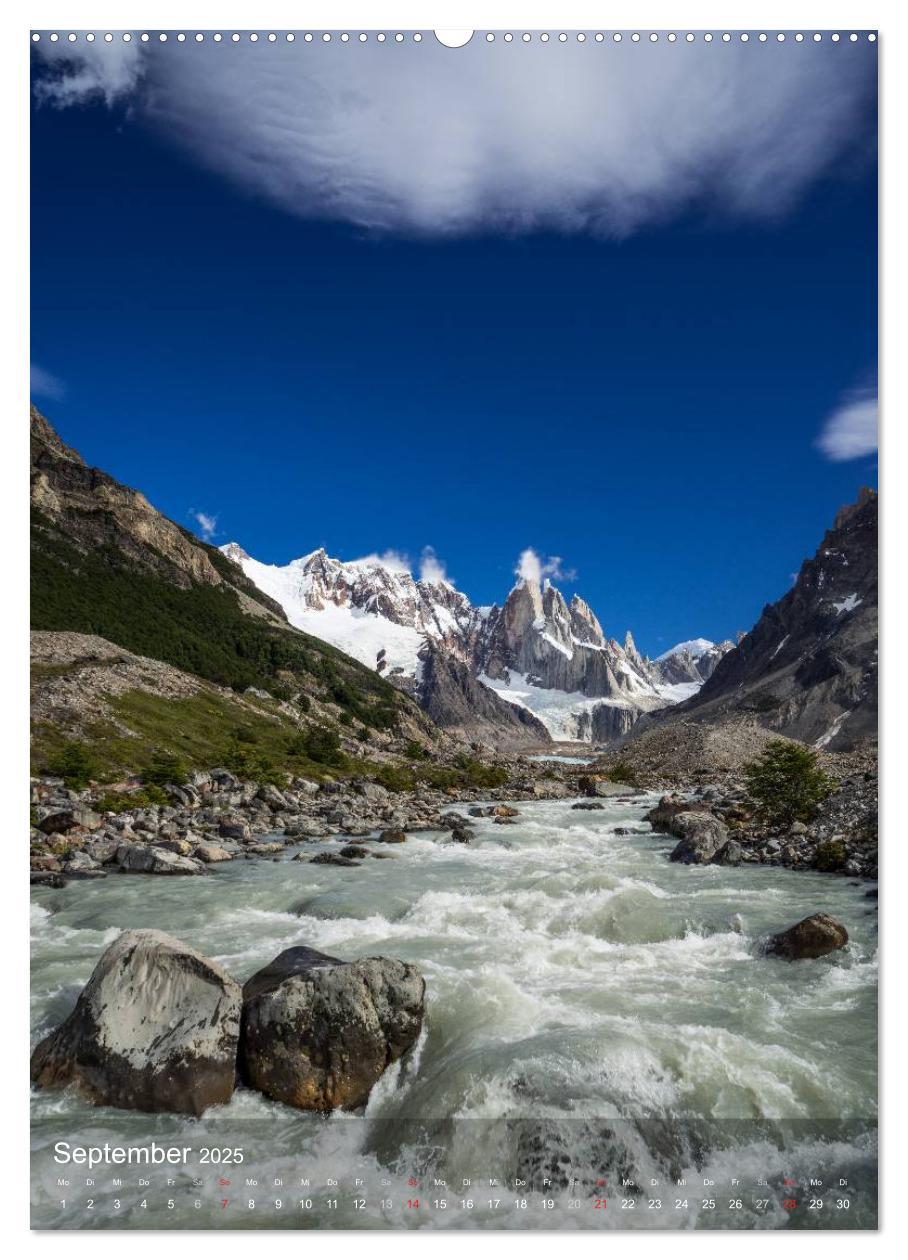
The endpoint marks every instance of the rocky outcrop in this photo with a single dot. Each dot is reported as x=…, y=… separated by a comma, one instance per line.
x=318, y=1033
x=455, y=700
x=813, y=937
x=155, y=1029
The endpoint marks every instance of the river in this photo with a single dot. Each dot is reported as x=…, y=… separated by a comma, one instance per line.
x=594, y=1012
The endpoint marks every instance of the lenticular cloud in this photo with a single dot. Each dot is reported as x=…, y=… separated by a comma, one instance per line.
x=419, y=139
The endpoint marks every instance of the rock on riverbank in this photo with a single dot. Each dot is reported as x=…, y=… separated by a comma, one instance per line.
x=216, y=817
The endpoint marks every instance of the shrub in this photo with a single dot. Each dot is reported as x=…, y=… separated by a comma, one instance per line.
x=165, y=767
x=75, y=763
x=830, y=855
x=322, y=744
x=787, y=782
x=623, y=772
x=395, y=778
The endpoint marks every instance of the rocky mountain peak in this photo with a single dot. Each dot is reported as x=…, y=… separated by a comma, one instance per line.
x=630, y=649
x=585, y=626
x=848, y=512
x=44, y=434
x=233, y=551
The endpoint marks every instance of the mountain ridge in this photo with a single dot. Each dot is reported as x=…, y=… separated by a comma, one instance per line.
x=536, y=650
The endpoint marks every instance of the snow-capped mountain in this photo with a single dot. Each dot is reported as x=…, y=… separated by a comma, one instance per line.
x=691, y=662
x=536, y=652
x=373, y=609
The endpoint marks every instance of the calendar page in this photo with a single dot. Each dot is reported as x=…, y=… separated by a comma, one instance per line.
x=454, y=629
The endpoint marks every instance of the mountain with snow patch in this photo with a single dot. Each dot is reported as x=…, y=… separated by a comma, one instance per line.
x=808, y=668
x=533, y=668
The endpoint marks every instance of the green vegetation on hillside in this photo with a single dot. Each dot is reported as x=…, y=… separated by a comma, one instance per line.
x=173, y=737
x=787, y=782
x=201, y=629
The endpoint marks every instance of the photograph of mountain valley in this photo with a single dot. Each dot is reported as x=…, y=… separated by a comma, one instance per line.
x=453, y=631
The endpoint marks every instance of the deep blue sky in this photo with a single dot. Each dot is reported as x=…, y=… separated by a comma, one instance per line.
x=646, y=409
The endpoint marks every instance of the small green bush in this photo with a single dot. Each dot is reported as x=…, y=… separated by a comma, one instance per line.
x=75, y=763
x=831, y=855
x=165, y=767
x=787, y=782
x=322, y=744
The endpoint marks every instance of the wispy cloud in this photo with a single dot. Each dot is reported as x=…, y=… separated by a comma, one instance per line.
x=851, y=431
x=44, y=384
x=533, y=568
x=207, y=524
x=598, y=138
x=431, y=569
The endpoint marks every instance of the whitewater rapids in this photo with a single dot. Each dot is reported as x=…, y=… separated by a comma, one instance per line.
x=580, y=987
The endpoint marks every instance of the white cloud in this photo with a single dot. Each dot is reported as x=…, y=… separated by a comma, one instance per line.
x=533, y=568
x=393, y=561
x=577, y=137
x=431, y=569
x=851, y=431
x=44, y=384
x=207, y=524
x=86, y=72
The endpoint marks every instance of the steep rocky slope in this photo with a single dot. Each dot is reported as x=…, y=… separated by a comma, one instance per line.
x=453, y=697
x=808, y=668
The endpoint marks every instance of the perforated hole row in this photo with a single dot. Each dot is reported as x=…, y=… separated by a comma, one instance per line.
x=416, y=37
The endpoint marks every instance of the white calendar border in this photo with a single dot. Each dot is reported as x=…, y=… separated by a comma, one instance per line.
x=13, y=512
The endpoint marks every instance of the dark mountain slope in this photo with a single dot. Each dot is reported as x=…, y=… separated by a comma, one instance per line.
x=457, y=702
x=808, y=668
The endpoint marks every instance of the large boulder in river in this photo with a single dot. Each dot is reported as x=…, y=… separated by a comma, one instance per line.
x=813, y=937
x=318, y=1032
x=702, y=837
x=155, y=1029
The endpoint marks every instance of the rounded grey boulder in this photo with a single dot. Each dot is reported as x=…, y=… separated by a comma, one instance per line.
x=318, y=1033
x=702, y=837
x=155, y=1029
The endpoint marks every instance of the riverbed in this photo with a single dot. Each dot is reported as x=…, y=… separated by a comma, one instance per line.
x=595, y=1013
